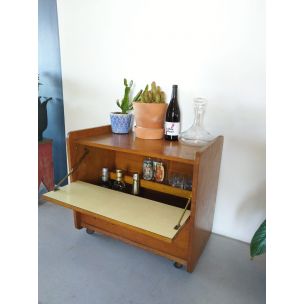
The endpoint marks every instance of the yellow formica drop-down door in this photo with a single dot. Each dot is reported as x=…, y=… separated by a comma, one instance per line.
x=148, y=215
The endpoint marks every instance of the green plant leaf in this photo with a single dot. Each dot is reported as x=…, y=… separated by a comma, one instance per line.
x=258, y=242
x=137, y=97
x=125, y=101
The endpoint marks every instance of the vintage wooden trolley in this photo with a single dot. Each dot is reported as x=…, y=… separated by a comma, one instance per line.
x=169, y=221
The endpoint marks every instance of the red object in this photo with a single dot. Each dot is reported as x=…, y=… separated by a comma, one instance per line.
x=45, y=164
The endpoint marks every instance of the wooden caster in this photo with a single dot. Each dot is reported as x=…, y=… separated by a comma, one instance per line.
x=178, y=265
x=89, y=231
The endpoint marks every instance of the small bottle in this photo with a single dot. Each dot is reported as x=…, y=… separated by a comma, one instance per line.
x=105, y=182
x=172, y=122
x=135, y=186
x=119, y=184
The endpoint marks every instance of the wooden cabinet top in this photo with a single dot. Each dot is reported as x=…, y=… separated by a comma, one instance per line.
x=128, y=143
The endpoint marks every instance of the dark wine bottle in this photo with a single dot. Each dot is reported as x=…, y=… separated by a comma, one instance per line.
x=172, y=122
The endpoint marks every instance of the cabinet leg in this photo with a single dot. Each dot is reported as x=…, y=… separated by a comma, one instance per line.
x=190, y=267
x=89, y=231
x=178, y=265
x=77, y=216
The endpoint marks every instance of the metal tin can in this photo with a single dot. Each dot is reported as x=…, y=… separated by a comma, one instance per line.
x=148, y=169
x=159, y=171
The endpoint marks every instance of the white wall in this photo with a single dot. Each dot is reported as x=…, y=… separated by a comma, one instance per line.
x=210, y=48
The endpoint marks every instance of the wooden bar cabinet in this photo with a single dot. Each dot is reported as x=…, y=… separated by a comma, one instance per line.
x=168, y=221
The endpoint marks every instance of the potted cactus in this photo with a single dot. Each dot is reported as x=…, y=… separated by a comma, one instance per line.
x=149, y=111
x=121, y=122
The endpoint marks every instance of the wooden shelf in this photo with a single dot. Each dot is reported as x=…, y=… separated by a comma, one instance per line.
x=157, y=148
x=149, y=216
x=156, y=186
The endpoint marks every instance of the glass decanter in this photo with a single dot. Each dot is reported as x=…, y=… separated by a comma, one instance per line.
x=197, y=135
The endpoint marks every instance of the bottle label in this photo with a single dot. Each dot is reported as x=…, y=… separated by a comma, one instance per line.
x=172, y=128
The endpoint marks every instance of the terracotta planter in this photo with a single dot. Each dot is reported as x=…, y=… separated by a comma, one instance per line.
x=149, y=119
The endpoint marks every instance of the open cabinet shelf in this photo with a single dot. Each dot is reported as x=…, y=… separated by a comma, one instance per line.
x=147, y=221
x=160, y=187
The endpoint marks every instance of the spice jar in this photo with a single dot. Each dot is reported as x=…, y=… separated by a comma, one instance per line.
x=148, y=169
x=158, y=171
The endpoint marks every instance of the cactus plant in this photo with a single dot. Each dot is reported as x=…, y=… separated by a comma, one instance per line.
x=155, y=95
x=149, y=111
x=125, y=104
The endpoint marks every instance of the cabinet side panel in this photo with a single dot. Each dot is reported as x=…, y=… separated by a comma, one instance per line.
x=71, y=146
x=202, y=210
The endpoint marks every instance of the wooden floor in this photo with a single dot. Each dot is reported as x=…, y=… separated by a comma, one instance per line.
x=77, y=268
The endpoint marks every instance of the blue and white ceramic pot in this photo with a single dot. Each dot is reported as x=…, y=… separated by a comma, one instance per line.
x=121, y=123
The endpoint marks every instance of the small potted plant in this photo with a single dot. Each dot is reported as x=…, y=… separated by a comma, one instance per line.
x=121, y=122
x=42, y=113
x=149, y=111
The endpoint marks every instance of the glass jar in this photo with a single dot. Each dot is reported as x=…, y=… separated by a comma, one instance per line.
x=197, y=135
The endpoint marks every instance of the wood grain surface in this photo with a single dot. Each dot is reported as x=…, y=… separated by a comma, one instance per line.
x=157, y=148
x=205, y=183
